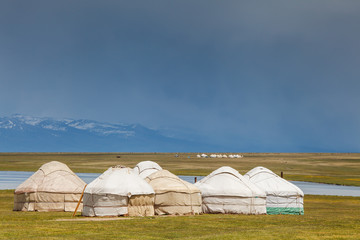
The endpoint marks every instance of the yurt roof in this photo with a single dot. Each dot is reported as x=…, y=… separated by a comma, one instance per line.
x=145, y=168
x=226, y=181
x=164, y=181
x=271, y=183
x=54, y=177
x=119, y=181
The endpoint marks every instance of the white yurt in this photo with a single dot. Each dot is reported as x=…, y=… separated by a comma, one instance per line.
x=173, y=195
x=225, y=190
x=283, y=197
x=145, y=168
x=54, y=187
x=116, y=192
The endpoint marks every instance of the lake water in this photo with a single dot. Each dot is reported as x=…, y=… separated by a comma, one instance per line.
x=12, y=179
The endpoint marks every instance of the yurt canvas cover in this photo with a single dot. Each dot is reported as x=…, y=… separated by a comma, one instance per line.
x=118, y=191
x=145, y=168
x=225, y=190
x=54, y=187
x=283, y=197
x=173, y=195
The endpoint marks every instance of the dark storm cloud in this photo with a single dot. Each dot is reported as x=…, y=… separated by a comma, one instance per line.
x=254, y=76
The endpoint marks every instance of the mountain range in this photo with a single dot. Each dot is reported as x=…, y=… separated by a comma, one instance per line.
x=19, y=133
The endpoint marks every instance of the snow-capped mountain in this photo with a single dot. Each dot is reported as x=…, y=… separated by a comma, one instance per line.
x=20, y=122
x=20, y=133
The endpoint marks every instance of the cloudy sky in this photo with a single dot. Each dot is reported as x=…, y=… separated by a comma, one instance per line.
x=275, y=76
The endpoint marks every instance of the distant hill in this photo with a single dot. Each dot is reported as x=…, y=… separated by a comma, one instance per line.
x=20, y=133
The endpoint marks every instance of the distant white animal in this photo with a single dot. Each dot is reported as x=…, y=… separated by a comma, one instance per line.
x=213, y=155
x=224, y=156
x=219, y=156
x=198, y=156
x=204, y=155
x=231, y=156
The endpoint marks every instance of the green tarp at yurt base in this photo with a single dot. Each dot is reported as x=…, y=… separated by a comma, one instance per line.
x=282, y=197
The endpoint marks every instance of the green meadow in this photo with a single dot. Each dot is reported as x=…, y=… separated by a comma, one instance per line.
x=334, y=168
x=326, y=217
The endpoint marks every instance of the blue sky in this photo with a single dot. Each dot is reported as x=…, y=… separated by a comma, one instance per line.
x=274, y=76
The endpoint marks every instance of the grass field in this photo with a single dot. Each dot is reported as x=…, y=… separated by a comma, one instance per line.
x=325, y=218
x=335, y=168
